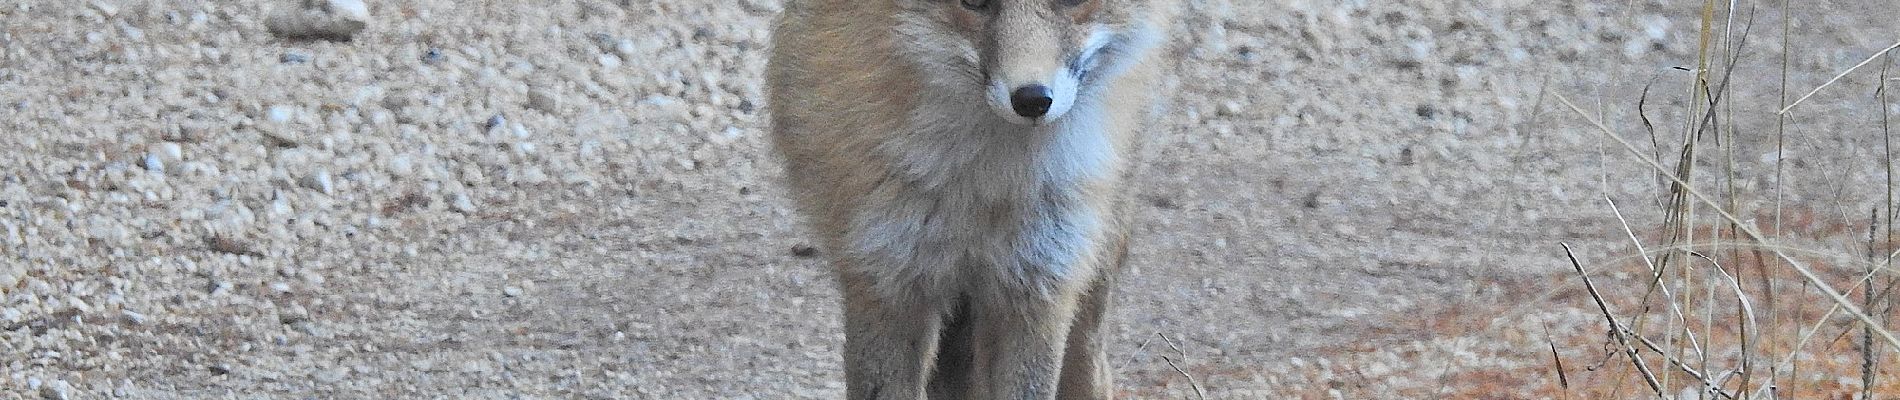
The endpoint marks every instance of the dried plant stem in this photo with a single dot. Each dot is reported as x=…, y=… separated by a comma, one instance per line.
x=1198, y=393
x=1616, y=329
x=1802, y=269
x=1668, y=297
x=1867, y=300
x=1817, y=89
x=1795, y=350
x=1781, y=136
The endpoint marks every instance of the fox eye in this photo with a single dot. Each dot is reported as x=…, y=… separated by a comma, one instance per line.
x=978, y=4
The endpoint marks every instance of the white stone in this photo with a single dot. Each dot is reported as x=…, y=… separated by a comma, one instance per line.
x=134, y=316
x=338, y=20
x=281, y=207
x=461, y=203
x=401, y=166
x=520, y=131
x=626, y=48
x=152, y=163
x=11, y=275
x=352, y=10
x=132, y=33
x=106, y=7
x=320, y=181
x=281, y=113
x=168, y=151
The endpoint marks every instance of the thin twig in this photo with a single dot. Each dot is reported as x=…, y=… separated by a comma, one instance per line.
x=1880, y=97
x=1615, y=328
x=1882, y=52
x=1867, y=361
x=1138, y=348
x=1678, y=363
x=1781, y=136
x=1198, y=394
x=1795, y=350
x=1806, y=273
x=1653, y=269
x=1563, y=380
x=1747, y=323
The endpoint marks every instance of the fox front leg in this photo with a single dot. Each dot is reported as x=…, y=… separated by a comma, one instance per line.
x=1019, y=348
x=889, y=344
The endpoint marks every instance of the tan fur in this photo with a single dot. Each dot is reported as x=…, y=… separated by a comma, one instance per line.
x=976, y=253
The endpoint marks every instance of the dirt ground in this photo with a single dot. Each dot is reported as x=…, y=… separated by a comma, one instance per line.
x=576, y=199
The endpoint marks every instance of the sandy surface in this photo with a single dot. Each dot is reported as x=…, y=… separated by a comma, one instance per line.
x=576, y=200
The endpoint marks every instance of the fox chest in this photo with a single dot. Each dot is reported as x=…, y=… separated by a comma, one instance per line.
x=957, y=236
x=963, y=205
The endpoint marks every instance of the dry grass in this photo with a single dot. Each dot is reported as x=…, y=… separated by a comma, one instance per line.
x=1722, y=307
x=1736, y=293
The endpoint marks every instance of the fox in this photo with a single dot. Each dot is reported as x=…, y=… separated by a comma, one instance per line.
x=962, y=164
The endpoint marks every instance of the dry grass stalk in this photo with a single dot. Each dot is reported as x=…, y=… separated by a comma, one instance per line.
x=1616, y=330
x=1751, y=233
x=1198, y=393
x=1837, y=77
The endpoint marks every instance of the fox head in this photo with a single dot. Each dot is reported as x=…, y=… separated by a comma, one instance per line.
x=1030, y=60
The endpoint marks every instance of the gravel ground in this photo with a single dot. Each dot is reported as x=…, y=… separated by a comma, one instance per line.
x=206, y=199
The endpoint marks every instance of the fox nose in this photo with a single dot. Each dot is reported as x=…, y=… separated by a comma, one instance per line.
x=1031, y=101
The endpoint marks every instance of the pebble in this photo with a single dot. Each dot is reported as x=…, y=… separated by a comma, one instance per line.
x=319, y=180
x=168, y=151
x=540, y=100
x=1231, y=108
x=460, y=202
x=401, y=166
x=12, y=273
x=152, y=163
x=511, y=291
x=626, y=48
x=520, y=131
x=198, y=19
x=133, y=316
x=804, y=251
x=106, y=7
x=759, y=6
x=132, y=33
x=281, y=207
x=13, y=238
x=58, y=390
x=602, y=40
x=280, y=113
x=333, y=20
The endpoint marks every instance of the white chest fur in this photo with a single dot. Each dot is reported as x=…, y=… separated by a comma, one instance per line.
x=971, y=201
